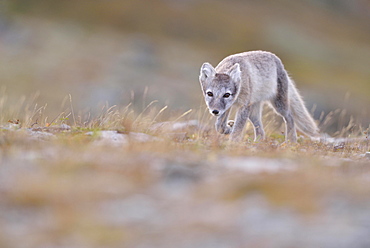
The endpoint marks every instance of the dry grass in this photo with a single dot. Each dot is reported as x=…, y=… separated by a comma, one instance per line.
x=185, y=187
x=64, y=182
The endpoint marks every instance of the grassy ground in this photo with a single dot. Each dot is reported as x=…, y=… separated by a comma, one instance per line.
x=66, y=181
x=75, y=174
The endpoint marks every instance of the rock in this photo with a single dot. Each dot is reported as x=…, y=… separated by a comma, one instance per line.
x=40, y=135
x=142, y=137
x=111, y=137
x=339, y=147
x=172, y=126
x=108, y=137
x=53, y=129
x=367, y=155
x=257, y=165
x=64, y=127
x=12, y=126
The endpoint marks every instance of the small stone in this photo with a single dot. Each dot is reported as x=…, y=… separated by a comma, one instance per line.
x=367, y=155
x=64, y=127
x=171, y=126
x=339, y=147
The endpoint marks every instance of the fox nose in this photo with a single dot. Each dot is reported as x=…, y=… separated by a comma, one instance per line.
x=215, y=112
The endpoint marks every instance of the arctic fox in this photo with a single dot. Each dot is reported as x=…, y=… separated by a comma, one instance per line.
x=248, y=80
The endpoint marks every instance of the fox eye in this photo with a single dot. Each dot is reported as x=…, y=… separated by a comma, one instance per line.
x=209, y=93
x=227, y=95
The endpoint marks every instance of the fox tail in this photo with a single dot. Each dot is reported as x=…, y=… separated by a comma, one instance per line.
x=304, y=121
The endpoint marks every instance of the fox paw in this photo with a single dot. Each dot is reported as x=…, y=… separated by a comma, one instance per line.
x=230, y=123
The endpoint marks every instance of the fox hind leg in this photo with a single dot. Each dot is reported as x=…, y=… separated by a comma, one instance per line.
x=283, y=110
x=291, y=133
x=281, y=105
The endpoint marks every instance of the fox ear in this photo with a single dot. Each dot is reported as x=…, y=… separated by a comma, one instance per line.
x=235, y=73
x=206, y=71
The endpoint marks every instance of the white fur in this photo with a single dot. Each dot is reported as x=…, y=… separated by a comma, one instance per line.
x=235, y=73
x=254, y=78
x=206, y=71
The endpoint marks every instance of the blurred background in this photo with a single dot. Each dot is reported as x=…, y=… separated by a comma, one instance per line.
x=117, y=52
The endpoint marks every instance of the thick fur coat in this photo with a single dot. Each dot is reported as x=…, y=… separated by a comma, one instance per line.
x=246, y=81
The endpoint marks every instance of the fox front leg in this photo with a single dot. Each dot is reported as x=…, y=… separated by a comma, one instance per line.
x=255, y=117
x=241, y=119
x=222, y=125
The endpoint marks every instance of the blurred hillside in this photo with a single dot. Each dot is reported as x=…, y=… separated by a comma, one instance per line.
x=111, y=51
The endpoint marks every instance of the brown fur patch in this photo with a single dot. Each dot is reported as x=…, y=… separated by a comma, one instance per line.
x=222, y=76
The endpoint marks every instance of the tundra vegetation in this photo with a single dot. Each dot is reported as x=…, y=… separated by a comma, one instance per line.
x=158, y=178
x=76, y=171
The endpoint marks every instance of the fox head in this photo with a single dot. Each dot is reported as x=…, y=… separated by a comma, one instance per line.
x=220, y=89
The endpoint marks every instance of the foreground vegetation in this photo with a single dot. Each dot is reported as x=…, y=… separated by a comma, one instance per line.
x=129, y=179
x=143, y=175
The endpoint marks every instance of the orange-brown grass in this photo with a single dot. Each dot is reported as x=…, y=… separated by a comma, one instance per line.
x=73, y=190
